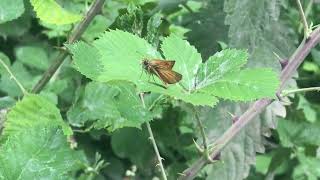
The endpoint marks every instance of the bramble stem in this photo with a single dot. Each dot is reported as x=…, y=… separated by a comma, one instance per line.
x=287, y=92
x=294, y=62
x=75, y=35
x=13, y=77
x=153, y=141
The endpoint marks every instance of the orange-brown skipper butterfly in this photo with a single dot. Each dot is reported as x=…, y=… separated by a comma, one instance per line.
x=162, y=69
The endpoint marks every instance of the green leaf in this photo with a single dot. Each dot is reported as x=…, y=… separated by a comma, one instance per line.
x=196, y=98
x=10, y=10
x=245, y=19
x=110, y=106
x=37, y=152
x=293, y=133
x=309, y=112
x=127, y=143
x=32, y=56
x=51, y=12
x=219, y=65
x=17, y=27
x=186, y=56
x=245, y=85
x=31, y=111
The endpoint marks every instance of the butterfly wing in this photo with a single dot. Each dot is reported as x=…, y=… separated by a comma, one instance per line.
x=168, y=76
x=161, y=64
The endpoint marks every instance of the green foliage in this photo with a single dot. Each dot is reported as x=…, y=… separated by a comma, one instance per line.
x=109, y=48
x=51, y=12
x=298, y=133
x=225, y=51
x=109, y=106
x=34, y=57
x=32, y=111
x=10, y=10
x=37, y=152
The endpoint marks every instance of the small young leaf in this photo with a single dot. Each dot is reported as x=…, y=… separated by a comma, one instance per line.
x=31, y=111
x=109, y=106
x=10, y=10
x=245, y=85
x=37, y=152
x=51, y=12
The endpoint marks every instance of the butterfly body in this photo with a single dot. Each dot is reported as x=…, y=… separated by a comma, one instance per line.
x=162, y=69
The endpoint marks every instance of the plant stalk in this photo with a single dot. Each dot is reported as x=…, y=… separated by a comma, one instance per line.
x=153, y=141
x=75, y=35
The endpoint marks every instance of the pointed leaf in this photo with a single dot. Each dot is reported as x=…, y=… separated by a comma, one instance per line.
x=245, y=85
x=10, y=10
x=31, y=111
x=219, y=65
x=186, y=56
x=37, y=153
x=51, y=12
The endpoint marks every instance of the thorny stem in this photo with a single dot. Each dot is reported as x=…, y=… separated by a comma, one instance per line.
x=75, y=35
x=13, y=77
x=205, y=150
x=304, y=20
x=295, y=60
x=287, y=92
x=153, y=141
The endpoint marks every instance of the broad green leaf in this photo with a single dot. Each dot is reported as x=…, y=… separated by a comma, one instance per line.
x=116, y=55
x=10, y=10
x=51, y=12
x=186, y=56
x=110, y=106
x=31, y=111
x=245, y=85
x=196, y=98
x=37, y=152
x=129, y=142
x=245, y=19
x=219, y=65
x=17, y=27
x=300, y=133
x=32, y=56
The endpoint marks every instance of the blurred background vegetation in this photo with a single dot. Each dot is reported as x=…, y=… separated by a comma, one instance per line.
x=282, y=143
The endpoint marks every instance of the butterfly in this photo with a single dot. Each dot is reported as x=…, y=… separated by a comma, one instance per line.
x=162, y=69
